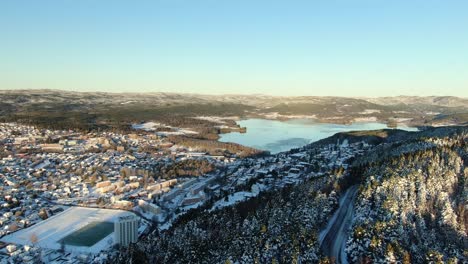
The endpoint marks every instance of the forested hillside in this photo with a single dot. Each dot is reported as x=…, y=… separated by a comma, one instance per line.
x=410, y=208
x=273, y=227
x=412, y=204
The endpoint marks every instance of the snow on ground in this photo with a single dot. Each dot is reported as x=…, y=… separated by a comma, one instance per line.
x=256, y=188
x=445, y=123
x=127, y=102
x=232, y=199
x=276, y=115
x=402, y=120
x=213, y=119
x=193, y=206
x=366, y=119
x=148, y=126
x=152, y=126
x=217, y=119
x=42, y=165
x=180, y=131
x=50, y=231
x=369, y=111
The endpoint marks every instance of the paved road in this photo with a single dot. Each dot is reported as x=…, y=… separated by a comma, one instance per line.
x=333, y=238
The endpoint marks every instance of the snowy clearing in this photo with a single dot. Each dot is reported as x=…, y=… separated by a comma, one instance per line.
x=153, y=126
x=232, y=199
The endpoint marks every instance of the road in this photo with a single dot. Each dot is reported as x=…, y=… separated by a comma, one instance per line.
x=333, y=238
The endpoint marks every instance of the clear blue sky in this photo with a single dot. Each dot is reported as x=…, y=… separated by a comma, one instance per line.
x=310, y=47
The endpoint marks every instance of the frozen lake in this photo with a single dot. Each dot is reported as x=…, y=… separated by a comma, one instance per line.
x=276, y=136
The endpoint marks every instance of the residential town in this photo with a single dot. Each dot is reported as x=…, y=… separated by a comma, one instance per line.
x=45, y=174
x=233, y=132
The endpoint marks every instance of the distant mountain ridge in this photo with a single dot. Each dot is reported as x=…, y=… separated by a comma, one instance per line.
x=45, y=95
x=91, y=109
x=448, y=101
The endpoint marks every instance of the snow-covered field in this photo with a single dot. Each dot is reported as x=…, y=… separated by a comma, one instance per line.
x=276, y=115
x=218, y=119
x=148, y=126
x=180, y=131
x=152, y=126
x=366, y=119
x=50, y=231
x=232, y=199
x=369, y=111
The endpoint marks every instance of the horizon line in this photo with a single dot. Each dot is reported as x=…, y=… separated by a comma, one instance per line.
x=221, y=94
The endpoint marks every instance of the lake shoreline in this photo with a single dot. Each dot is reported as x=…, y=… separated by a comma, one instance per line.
x=282, y=135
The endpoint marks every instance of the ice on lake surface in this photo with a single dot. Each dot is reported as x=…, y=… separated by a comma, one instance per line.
x=276, y=136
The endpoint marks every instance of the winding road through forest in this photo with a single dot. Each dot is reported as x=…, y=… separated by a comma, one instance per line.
x=333, y=237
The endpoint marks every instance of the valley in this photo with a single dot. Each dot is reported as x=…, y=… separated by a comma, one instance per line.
x=215, y=181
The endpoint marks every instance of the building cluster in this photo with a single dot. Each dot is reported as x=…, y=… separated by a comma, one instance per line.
x=44, y=171
x=247, y=177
